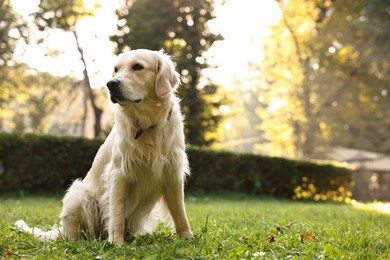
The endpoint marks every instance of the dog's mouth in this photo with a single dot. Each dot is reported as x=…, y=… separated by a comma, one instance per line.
x=122, y=101
x=117, y=98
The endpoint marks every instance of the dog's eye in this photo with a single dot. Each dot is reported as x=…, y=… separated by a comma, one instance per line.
x=137, y=67
x=115, y=69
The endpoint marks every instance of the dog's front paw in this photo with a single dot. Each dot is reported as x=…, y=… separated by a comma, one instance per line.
x=186, y=234
x=116, y=240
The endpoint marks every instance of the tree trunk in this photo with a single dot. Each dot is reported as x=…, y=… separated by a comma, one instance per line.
x=305, y=143
x=97, y=110
x=85, y=113
x=195, y=127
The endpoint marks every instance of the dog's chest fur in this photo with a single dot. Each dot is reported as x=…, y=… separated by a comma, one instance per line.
x=149, y=155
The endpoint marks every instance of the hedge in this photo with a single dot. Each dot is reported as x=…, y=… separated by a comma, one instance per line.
x=280, y=177
x=43, y=163
x=49, y=163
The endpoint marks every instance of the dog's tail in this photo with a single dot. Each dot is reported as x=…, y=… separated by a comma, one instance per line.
x=38, y=233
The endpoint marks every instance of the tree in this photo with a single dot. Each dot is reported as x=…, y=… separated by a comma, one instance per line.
x=291, y=119
x=64, y=15
x=12, y=30
x=38, y=102
x=357, y=60
x=180, y=28
x=322, y=65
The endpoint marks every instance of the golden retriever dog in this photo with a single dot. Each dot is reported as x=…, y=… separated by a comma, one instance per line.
x=137, y=177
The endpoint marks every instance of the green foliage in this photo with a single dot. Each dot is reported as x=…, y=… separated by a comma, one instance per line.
x=180, y=28
x=33, y=100
x=61, y=14
x=12, y=28
x=32, y=162
x=225, y=227
x=360, y=118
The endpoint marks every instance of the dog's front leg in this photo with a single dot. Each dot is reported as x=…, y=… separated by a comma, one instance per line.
x=174, y=198
x=116, y=226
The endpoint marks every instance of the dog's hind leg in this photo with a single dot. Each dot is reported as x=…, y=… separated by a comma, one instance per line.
x=80, y=212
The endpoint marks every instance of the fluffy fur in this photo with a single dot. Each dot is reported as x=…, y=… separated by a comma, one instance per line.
x=139, y=172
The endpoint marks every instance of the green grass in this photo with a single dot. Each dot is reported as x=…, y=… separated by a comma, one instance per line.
x=225, y=227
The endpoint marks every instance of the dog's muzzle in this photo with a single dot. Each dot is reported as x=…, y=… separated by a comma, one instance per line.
x=115, y=93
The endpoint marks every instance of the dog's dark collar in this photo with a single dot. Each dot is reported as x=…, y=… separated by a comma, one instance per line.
x=142, y=130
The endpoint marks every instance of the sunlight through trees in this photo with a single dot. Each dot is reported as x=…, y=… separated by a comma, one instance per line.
x=317, y=79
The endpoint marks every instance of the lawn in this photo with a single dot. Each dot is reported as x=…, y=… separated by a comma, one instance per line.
x=225, y=227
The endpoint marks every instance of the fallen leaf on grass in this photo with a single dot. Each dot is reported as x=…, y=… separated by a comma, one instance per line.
x=279, y=229
x=308, y=237
x=10, y=253
x=289, y=224
x=271, y=239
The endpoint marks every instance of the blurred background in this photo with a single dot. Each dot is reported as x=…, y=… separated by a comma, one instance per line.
x=293, y=78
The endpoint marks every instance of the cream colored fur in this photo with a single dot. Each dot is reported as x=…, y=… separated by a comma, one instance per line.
x=132, y=182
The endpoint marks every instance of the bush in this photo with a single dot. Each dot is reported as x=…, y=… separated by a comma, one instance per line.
x=43, y=163
x=48, y=163
x=218, y=171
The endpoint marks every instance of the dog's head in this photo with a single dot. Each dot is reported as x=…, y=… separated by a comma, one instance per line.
x=141, y=75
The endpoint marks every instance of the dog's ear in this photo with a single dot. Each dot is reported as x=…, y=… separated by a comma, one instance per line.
x=167, y=78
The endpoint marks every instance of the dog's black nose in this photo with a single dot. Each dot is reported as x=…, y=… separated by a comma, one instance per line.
x=114, y=83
